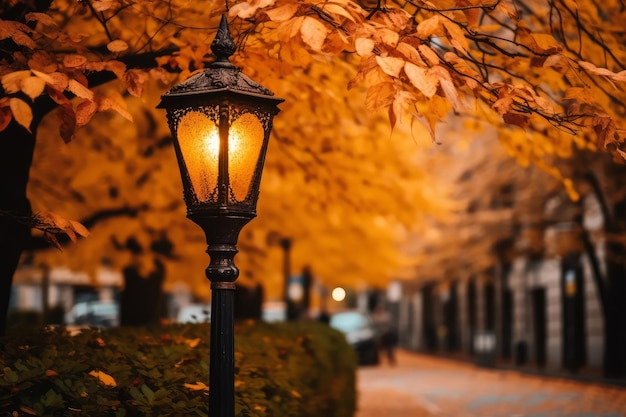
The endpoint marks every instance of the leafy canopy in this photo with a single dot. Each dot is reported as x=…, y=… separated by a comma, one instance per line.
x=548, y=75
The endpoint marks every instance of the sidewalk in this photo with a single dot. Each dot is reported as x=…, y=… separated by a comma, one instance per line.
x=585, y=375
x=429, y=386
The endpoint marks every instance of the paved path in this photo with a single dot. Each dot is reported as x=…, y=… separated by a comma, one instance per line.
x=423, y=386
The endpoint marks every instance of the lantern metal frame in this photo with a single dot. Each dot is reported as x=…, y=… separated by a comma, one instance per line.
x=222, y=93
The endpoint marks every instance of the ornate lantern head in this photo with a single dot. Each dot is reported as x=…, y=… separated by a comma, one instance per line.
x=221, y=121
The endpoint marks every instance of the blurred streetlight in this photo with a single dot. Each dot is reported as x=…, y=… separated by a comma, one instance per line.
x=221, y=122
x=338, y=294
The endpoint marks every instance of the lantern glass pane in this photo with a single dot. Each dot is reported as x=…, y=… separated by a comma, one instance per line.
x=199, y=141
x=245, y=141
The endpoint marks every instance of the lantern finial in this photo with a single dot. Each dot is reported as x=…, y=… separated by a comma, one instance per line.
x=223, y=45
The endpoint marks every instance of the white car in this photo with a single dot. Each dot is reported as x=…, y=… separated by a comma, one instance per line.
x=94, y=313
x=194, y=313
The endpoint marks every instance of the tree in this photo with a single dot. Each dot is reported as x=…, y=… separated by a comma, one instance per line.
x=541, y=68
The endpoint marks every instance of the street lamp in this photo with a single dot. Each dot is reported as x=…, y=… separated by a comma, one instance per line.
x=221, y=121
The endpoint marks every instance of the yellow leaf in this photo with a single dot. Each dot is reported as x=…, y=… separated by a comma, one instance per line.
x=388, y=37
x=22, y=112
x=12, y=82
x=457, y=35
x=282, y=13
x=56, y=80
x=447, y=85
x=410, y=53
x=198, y=386
x=80, y=90
x=242, y=10
x=313, y=33
x=430, y=55
x=429, y=27
x=338, y=10
x=104, y=378
x=364, y=46
x=245, y=10
x=33, y=87
x=117, y=46
x=421, y=79
x=546, y=41
x=390, y=65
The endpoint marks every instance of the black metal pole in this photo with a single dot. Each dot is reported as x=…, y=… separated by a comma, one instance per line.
x=222, y=273
x=222, y=361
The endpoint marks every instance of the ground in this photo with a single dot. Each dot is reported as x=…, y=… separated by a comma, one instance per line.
x=425, y=386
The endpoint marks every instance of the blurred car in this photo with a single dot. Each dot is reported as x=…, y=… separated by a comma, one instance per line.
x=273, y=311
x=360, y=332
x=94, y=313
x=194, y=313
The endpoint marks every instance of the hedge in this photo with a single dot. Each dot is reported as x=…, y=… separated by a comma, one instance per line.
x=302, y=369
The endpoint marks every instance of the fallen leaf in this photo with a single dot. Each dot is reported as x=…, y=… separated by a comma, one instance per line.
x=104, y=378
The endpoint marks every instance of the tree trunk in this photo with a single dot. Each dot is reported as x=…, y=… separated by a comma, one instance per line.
x=612, y=287
x=16, y=154
x=142, y=298
x=615, y=313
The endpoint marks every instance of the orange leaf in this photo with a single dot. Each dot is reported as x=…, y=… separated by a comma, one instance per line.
x=17, y=32
x=42, y=18
x=104, y=378
x=198, y=386
x=84, y=112
x=79, y=228
x=116, y=67
x=380, y=95
x=517, y=119
x=429, y=27
x=103, y=5
x=135, y=80
x=117, y=46
x=74, y=60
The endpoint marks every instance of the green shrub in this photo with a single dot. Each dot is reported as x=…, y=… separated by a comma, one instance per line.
x=285, y=369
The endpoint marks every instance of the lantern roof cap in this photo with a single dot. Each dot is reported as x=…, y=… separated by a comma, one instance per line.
x=220, y=76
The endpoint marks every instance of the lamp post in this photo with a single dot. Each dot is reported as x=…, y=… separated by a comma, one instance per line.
x=221, y=122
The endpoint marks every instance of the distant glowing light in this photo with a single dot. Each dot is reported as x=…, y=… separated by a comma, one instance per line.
x=338, y=294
